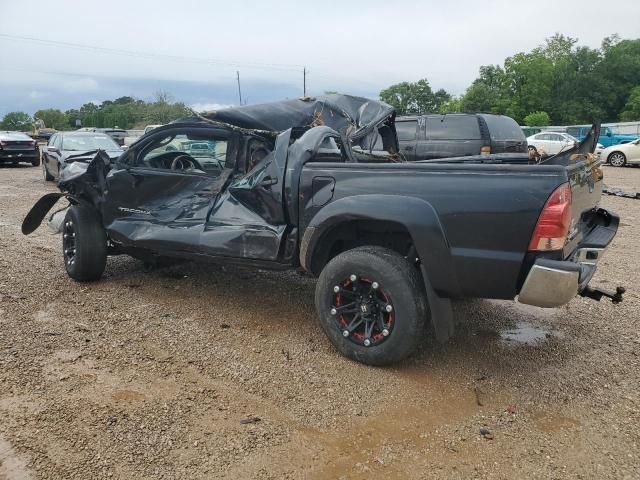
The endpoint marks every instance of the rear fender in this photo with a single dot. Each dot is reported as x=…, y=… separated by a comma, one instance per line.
x=416, y=215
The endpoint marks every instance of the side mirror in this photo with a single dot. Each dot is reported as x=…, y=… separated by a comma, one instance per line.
x=124, y=147
x=53, y=149
x=608, y=133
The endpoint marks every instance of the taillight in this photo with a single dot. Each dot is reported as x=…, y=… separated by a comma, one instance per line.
x=553, y=225
x=486, y=150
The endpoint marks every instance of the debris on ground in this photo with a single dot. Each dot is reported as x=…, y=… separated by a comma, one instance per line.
x=486, y=433
x=246, y=421
x=618, y=192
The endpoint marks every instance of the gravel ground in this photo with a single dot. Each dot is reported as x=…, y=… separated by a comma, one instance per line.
x=209, y=372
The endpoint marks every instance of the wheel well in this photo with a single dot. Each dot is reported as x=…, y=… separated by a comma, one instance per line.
x=358, y=233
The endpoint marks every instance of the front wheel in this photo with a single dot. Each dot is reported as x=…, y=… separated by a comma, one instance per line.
x=45, y=173
x=371, y=304
x=84, y=244
x=617, y=159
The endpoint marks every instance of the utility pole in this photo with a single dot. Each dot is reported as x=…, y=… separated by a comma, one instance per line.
x=239, y=90
x=304, y=81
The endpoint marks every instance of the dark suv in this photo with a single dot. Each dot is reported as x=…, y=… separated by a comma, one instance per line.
x=457, y=135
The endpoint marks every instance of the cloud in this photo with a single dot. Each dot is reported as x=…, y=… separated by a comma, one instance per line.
x=81, y=85
x=35, y=94
x=359, y=48
x=206, y=107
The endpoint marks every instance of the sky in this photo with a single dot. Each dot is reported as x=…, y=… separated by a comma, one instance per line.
x=73, y=52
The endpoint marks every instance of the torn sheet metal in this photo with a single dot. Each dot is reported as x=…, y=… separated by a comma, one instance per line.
x=355, y=118
x=583, y=150
x=82, y=180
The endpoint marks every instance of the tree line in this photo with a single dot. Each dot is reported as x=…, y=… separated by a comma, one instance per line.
x=558, y=83
x=123, y=112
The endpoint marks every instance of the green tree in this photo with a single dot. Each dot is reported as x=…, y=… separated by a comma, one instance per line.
x=488, y=93
x=53, y=118
x=620, y=67
x=162, y=110
x=414, y=97
x=19, y=121
x=453, y=105
x=537, y=119
x=631, y=110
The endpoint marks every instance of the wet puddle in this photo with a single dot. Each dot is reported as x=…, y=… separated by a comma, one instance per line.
x=524, y=333
x=553, y=423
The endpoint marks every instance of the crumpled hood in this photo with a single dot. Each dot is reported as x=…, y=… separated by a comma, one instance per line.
x=87, y=155
x=352, y=117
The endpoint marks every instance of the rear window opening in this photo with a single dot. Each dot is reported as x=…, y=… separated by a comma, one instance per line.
x=453, y=127
x=503, y=128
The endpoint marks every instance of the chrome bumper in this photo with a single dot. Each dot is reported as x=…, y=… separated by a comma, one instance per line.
x=549, y=285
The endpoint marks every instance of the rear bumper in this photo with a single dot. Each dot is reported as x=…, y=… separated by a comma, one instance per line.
x=552, y=283
x=11, y=156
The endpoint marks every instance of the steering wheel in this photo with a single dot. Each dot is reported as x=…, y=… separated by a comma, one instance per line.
x=185, y=162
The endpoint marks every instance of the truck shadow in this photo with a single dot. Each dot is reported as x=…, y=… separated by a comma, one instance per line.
x=491, y=336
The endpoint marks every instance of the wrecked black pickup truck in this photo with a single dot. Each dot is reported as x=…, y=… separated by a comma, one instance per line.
x=296, y=184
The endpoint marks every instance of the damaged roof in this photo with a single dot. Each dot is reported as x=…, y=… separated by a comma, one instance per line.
x=353, y=117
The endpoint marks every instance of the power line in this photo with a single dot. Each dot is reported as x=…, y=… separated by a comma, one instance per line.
x=149, y=55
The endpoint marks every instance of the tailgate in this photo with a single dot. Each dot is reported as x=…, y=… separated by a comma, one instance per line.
x=585, y=179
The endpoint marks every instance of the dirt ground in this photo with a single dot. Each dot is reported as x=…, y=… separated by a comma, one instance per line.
x=209, y=372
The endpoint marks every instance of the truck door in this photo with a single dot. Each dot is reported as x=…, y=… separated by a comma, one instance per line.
x=248, y=219
x=159, y=199
x=606, y=137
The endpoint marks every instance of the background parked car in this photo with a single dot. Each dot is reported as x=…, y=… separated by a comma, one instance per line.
x=118, y=134
x=551, y=143
x=63, y=145
x=623, y=154
x=608, y=136
x=458, y=134
x=18, y=147
x=528, y=131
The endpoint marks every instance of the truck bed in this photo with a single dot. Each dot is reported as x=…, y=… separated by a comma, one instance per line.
x=483, y=211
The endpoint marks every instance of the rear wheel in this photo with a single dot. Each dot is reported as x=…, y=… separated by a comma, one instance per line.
x=617, y=159
x=84, y=244
x=371, y=304
x=36, y=161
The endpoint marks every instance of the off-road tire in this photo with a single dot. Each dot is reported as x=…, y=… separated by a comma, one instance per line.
x=402, y=283
x=86, y=236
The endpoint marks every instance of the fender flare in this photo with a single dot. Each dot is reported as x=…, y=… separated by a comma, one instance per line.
x=416, y=215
